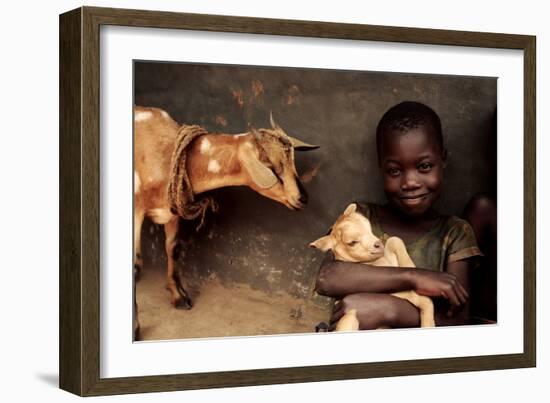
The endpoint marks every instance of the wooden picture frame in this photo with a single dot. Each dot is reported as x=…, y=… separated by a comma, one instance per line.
x=80, y=200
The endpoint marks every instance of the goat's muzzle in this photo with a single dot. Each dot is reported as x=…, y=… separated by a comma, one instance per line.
x=299, y=202
x=303, y=194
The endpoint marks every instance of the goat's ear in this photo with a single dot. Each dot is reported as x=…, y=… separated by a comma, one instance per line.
x=324, y=243
x=352, y=208
x=261, y=175
x=299, y=145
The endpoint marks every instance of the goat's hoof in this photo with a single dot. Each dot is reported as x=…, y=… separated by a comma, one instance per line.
x=184, y=303
x=321, y=327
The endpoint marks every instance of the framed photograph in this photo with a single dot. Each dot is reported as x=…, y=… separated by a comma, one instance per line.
x=207, y=164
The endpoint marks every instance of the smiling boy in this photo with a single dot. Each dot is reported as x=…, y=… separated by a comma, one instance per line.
x=412, y=159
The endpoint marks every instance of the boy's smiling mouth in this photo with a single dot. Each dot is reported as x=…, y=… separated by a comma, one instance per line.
x=413, y=199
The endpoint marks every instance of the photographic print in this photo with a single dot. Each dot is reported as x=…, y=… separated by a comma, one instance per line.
x=263, y=196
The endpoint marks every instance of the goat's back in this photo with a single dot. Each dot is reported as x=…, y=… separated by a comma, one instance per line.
x=154, y=137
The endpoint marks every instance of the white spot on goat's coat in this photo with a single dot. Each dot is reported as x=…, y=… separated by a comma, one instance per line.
x=214, y=166
x=164, y=114
x=143, y=115
x=205, y=146
x=137, y=183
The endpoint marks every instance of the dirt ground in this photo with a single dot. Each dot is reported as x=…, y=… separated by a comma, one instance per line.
x=221, y=310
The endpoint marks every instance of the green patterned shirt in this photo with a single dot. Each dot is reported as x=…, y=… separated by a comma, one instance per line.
x=450, y=240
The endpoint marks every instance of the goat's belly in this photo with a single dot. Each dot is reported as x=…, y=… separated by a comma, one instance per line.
x=160, y=215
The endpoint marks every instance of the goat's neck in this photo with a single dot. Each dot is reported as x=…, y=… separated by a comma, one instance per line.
x=213, y=162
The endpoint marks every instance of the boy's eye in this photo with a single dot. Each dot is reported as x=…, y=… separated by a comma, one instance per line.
x=393, y=171
x=352, y=243
x=425, y=166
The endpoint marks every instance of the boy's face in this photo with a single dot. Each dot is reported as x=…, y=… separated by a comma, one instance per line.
x=412, y=169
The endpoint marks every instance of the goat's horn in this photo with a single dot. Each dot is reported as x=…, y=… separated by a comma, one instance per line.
x=274, y=125
x=300, y=145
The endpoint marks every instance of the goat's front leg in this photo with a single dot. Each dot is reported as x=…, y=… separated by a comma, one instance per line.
x=397, y=247
x=139, y=215
x=424, y=304
x=179, y=297
x=348, y=322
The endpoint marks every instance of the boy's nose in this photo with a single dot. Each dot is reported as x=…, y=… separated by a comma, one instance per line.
x=410, y=181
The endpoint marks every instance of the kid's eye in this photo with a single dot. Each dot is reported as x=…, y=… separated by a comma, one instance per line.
x=352, y=243
x=393, y=171
x=425, y=166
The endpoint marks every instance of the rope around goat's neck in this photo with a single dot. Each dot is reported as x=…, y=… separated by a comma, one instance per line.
x=180, y=190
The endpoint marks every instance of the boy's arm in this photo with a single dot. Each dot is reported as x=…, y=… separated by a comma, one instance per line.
x=338, y=279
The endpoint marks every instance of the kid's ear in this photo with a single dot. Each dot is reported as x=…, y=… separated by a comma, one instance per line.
x=352, y=208
x=324, y=243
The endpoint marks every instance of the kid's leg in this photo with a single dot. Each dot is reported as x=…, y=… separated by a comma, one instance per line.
x=424, y=305
x=397, y=246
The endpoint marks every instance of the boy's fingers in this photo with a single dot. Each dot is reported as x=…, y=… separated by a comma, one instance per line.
x=463, y=295
x=459, y=295
x=464, y=292
x=451, y=296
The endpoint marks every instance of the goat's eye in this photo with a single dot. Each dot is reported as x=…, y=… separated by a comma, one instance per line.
x=352, y=243
x=278, y=171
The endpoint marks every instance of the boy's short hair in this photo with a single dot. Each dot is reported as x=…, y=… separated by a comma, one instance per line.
x=407, y=116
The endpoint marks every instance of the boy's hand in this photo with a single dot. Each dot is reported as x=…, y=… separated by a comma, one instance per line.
x=438, y=284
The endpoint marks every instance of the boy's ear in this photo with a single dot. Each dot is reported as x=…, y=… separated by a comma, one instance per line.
x=324, y=243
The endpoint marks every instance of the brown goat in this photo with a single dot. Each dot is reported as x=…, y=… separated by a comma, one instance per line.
x=261, y=159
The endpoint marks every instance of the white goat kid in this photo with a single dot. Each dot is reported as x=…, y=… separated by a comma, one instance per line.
x=261, y=159
x=351, y=240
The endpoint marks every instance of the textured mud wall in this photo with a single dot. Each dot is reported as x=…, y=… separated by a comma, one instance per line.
x=256, y=241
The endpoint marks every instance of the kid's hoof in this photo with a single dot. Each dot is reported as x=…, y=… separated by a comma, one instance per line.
x=321, y=327
x=184, y=303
